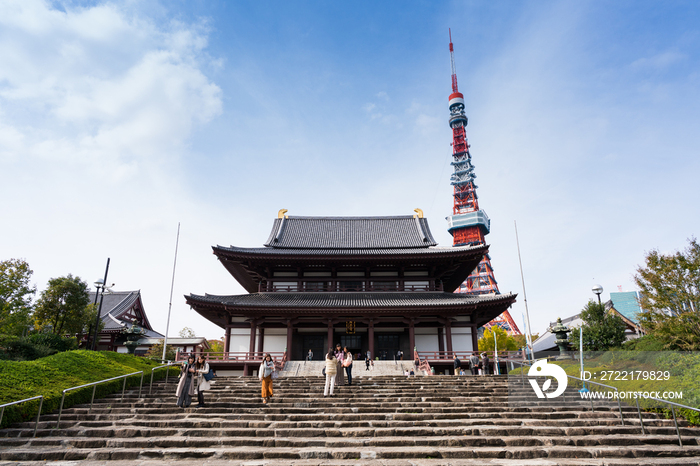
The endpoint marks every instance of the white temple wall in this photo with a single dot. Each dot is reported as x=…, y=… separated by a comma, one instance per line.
x=240, y=340
x=275, y=340
x=427, y=339
x=462, y=339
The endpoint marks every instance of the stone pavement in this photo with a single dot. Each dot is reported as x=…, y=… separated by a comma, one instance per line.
x=380, y=420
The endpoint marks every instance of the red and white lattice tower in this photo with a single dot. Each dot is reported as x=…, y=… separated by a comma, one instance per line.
x=468, y=224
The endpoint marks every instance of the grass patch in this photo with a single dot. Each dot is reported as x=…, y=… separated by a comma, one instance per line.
x=49, y=376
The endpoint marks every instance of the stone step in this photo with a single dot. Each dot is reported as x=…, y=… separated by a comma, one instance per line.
x=359, y=450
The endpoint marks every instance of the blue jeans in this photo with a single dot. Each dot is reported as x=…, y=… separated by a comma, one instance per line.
x=348, y=371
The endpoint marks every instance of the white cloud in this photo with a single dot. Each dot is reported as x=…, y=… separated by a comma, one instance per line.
x=97, y=108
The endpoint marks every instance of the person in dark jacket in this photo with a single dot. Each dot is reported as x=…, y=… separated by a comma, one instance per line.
x=457, y=364
x=186, y=386
x=474, y=363
x=485, y=363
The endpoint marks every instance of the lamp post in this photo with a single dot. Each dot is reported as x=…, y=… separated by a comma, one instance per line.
x=99, y=288
x=598, y=290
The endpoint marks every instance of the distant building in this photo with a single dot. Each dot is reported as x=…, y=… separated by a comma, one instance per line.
x=624, y=304
x=120, y=310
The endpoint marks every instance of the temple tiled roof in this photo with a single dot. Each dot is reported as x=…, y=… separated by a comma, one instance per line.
x=352, y=300
x=347, y=252
x=323, y=233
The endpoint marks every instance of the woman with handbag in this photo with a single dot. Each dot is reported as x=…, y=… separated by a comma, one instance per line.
x=330, y=371
x=347, y=364
x=267, y=368
x=203, y=377
x=185, y=388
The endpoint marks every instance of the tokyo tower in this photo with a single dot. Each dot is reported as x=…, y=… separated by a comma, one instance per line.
x=468, y=224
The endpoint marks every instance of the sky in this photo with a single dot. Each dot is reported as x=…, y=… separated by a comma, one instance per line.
x=121, y=120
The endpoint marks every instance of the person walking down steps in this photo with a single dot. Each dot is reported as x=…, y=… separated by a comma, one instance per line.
x=267, y=368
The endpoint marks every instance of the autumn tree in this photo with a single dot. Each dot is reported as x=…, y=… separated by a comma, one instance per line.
x=16, y=296
x=670, y=297
x=505, y=341
x=601, y=330
x=64, y=307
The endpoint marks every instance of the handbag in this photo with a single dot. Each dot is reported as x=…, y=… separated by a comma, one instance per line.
x=275, y=375
x=209, y=375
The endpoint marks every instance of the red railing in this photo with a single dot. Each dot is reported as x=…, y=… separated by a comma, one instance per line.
x=242, y=356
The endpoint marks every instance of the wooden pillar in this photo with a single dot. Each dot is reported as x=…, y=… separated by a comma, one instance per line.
x=370, y=337
x=330, y=335
x=227, y=341
x=441, y=340
x=412, y=337
x=261, y=338
x=290, y=331
x=475, y=338
x=253, y=329
x=448, y=335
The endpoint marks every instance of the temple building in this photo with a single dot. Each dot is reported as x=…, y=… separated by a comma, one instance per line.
x=378, y=284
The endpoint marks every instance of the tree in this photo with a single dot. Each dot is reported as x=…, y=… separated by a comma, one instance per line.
x=156, y=352
x=601, y=330
x=15, y=296
x=505, y=341
x=670, y=297
x=64, y=307
x=216, y=346
x=187, y=333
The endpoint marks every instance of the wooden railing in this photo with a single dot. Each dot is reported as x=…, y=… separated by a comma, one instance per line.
x=233, y=356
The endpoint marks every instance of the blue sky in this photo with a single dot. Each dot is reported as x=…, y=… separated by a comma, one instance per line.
x=120, y=119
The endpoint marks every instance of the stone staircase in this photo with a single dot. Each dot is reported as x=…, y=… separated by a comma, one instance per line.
x=380, y=420
x=314, y=368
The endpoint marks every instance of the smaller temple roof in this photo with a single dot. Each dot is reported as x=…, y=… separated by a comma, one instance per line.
x=397, y=232
x=118, y=306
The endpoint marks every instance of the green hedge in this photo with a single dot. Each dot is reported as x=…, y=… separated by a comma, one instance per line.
x=49, y=376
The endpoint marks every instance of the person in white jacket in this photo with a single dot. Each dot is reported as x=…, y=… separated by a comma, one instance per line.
x=265, y=375
x=202, y=367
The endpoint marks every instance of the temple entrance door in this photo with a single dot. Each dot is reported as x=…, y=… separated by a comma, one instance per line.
x=315, y=344
x=353, y=342
x=387, y=346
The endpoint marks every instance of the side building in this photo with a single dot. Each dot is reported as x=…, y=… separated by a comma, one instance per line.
x=377, y=284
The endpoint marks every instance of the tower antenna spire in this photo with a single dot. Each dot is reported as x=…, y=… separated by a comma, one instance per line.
x=468, y=224
x=452, y=62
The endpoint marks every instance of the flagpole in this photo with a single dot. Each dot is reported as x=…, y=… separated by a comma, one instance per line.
x=172, y=285
x=522, y=277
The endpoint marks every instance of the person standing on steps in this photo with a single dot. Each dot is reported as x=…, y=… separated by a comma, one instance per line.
x=185, y=388
x=310, y=355
x=347, y=364
x=485, y=363
x=201, y=368
x=457, y=364
x=474, y=363
x=339, y=378
x=368, y=360
x=265, y=374
x=331, y=371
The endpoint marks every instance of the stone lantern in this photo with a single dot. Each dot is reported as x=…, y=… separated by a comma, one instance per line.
x=561, y=331
x=133, y=335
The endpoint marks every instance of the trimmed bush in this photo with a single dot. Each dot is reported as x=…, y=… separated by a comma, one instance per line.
x=49, y=376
